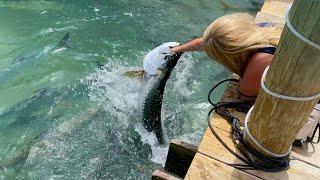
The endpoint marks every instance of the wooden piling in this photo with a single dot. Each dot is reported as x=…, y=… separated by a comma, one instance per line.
x=295, y=71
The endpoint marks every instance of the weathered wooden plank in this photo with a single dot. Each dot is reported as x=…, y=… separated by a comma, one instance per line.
x=206, y=168
x=308, y=152
x=164, y=175
x=276, y=7
x=212, y=147
x=265, y=17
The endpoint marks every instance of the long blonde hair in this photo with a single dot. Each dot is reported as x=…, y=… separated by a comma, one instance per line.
x=231, y=40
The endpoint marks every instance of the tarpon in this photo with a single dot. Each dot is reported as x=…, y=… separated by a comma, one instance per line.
x=29, y=58
x=60, y=46
x=151, y=96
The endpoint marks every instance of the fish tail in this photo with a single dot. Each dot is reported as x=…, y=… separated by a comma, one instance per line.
x=134, y=73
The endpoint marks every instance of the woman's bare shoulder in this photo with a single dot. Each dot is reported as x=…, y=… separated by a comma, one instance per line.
x=250, y=82
x=260, y=58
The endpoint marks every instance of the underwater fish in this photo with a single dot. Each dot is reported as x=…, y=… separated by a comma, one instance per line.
x=62, y=45
x=22, y=108
x=17, y=160
x=29, y=59
x=20, y=157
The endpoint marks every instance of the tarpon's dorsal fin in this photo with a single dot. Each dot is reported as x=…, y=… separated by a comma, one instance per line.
x=63, y=42
x=134, y=73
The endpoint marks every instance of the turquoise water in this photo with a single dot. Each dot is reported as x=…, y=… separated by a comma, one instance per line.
x=68, y=113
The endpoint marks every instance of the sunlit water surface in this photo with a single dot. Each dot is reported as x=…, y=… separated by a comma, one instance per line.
x=68, y=113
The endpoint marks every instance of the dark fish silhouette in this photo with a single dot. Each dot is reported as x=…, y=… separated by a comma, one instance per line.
x=151, y=97
x=62, y=44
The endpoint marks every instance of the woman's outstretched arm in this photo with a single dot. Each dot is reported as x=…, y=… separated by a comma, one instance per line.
x=193, y=45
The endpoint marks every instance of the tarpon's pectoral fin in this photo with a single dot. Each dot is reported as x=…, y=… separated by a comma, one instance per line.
x=134, y=73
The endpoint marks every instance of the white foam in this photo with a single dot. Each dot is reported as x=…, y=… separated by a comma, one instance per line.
x=184, y=67
x=159, y=152
x=58, y=50
x=128, y=14
x=114, y=92
x=2, y=110
x=51, y=30
x=119, y=96
x=96, y=9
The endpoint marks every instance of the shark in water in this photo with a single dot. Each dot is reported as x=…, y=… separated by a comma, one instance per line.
x=151, y=95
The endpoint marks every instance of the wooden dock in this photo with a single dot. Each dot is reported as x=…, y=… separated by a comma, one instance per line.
x=212, y=159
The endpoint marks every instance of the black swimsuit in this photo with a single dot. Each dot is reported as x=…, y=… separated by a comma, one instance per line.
x=269, y=50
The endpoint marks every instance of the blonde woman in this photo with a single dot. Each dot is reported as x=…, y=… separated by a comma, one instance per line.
x=243, y=47
x=240, y=45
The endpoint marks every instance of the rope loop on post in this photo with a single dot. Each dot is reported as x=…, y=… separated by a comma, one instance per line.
x=265, y=150
x=297, y=34
x=280, y=96
x=253, y=159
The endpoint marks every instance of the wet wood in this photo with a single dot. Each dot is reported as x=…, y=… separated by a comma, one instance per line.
x=294, y=72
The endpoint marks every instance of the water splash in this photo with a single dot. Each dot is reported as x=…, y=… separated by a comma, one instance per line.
x=159, y=152
x=56, y=29
x=112, y=91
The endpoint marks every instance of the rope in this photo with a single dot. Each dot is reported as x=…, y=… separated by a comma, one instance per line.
x=307, y=41
x=292, y=98
x=296, y=33
x=253, y=159
x=247, y=133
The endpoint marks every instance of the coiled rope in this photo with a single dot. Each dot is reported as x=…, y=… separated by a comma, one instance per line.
x=253, y=159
